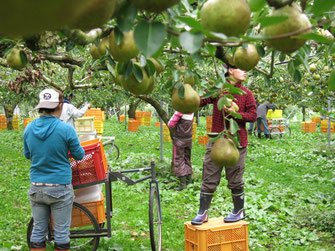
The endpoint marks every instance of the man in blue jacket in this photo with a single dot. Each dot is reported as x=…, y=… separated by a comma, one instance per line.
x=47, y=143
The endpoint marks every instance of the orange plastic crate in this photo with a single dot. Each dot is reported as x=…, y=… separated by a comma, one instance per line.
x=325, y=130
x=97, y=113
x=133, y=125
x=97, y=208
x=215, y=235
x=316, y=120
x=90, y=168
x=102, y=150
x=146, y=114
x=203, y=140
x=157, y=124
x=122, y=118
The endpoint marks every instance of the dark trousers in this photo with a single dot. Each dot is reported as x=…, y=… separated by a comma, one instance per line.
x=211, y=174
x=182, y=157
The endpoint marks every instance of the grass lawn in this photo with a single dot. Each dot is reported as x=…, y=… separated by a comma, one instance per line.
x=289, y=192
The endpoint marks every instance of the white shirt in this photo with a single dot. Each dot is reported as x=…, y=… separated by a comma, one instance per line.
x=70, y=113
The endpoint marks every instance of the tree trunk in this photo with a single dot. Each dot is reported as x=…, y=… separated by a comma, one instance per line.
x=160, y=111
x=132, y=109
x=9, y=112
x=303, y=113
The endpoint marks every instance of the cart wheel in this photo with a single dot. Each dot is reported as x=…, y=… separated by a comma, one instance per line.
x=155, y=221
x=287, y=131
x=112, y=151
x=275, y=133
x=81, y=236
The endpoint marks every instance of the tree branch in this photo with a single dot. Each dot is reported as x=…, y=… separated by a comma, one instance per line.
x=62, y=59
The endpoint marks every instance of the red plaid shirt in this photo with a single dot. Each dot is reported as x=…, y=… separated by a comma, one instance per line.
x=247, y=108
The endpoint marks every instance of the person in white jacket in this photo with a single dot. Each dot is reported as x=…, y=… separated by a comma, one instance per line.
x=70, y=113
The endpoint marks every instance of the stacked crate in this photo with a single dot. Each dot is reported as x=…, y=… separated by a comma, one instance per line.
x=122, y=118
x=133, y=125
x=203, y=140
x=166, y=134
x=316, y=120
x=3, y=122
x=324, y=126
x=194, y=135
x=157, y=124
x=139, y=117
x=26, y=121
x=146, y=118
x=308, y=127
x=209, y=121
x=99, y=117
x=97, y=113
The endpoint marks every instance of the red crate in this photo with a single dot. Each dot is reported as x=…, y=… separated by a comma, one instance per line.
x=90, y=168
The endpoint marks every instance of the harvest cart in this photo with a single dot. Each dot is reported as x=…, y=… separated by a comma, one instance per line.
x=89, y=220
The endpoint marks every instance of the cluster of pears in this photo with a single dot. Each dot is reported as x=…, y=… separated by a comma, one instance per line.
x=22, y=18
x=29, y=17
x=233, y=19
x=224, y=152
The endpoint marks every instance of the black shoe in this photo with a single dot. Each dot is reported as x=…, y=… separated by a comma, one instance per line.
x=259, y=136
x=188, y=179
x=205, y=202
x=182, y=183
x=267, y=136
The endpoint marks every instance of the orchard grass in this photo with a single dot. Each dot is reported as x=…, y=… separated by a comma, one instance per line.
x=289, y=192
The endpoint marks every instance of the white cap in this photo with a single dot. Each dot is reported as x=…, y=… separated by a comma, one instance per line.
x=49, y=98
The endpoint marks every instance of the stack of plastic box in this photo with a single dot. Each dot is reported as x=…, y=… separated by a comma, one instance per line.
x=194, y=136
x=146, y=118
x=203, y=140
x=316, y=120
x=324, y=126
x=133, y=125
x=3, y=122
x=308, y=127
x=93, y=167
x=26, y=121
x=122, y=118
x=85, y=128
x=99, y=117
x=139, y=117
x=209, y=124
x=166, y=134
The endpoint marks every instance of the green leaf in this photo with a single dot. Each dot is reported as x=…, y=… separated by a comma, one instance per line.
x=234, y=90
x=234, y=139
x=297, y=76
x=126, y=17
x=211, y=49
x=194, y=24
x=150, y=67
x=191, y=42
x=320, y=6
x=125, y=69
x=256, y=5
x=233, y=126
x=260, y=50
x=291, y=68
x=222, y=102
x=208, y=94
x=331, y=81
x=149, y=37
x=236, y=115
x=282, y=57
x=331, y=49
x=181, y=92
x=315, y=37
x=23, y=57
x=267, y=21
x=110, y=69
x=137, y=71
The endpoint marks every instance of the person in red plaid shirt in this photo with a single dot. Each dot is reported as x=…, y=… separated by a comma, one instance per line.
x=211, y=174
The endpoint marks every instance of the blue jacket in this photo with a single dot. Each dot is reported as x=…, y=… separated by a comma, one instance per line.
x=47, y=141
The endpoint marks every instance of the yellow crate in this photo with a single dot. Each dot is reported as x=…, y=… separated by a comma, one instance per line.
x=85, y=124
x=277, y=114
x=216, y=235
x=26, y=121
x=147, y=123
x=99, y=126
x=316, y=120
